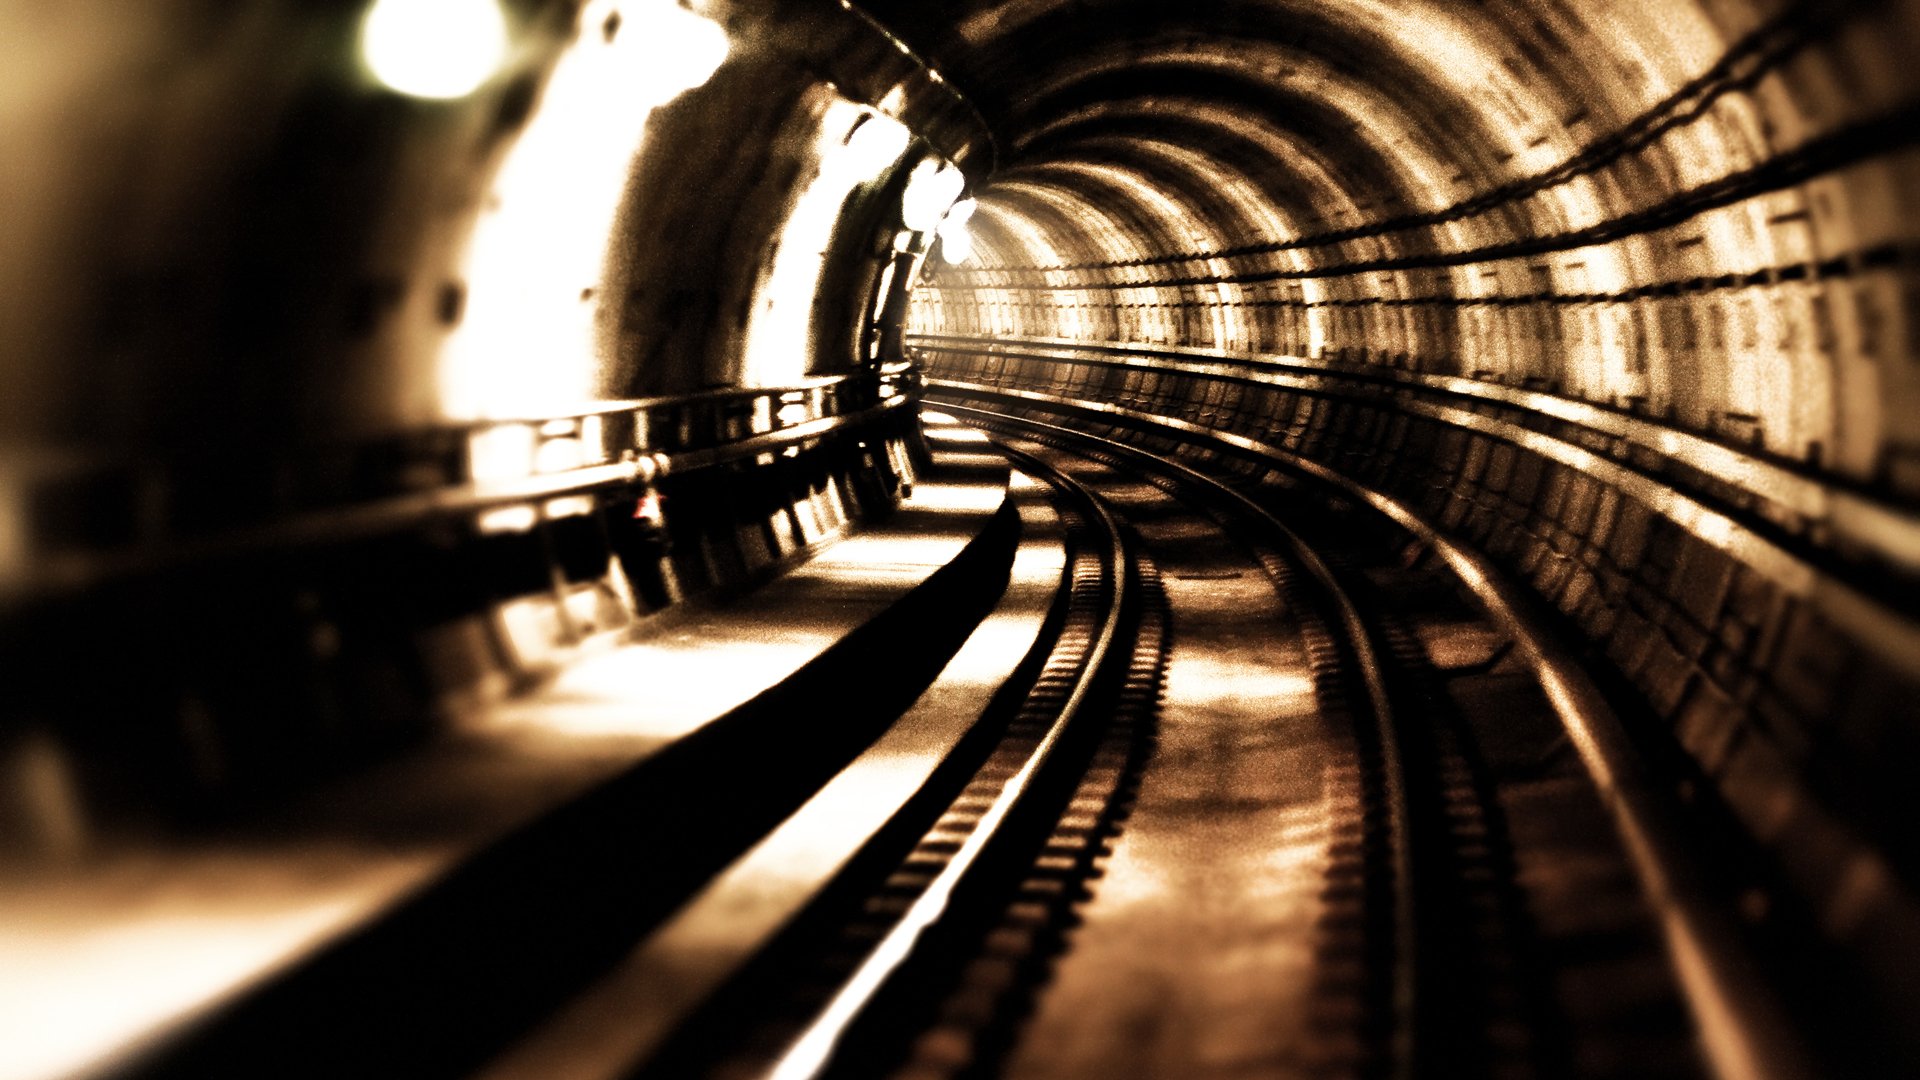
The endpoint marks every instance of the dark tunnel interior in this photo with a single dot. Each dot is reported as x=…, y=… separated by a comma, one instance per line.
x=378, y=369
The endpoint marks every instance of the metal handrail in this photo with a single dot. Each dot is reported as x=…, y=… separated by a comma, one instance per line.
x=570, y=454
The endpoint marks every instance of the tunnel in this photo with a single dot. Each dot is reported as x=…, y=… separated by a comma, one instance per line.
x=997, y=538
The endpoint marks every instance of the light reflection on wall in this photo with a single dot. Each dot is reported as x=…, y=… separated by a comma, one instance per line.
x=527, y=345
x=13, y=530
x=856, y=146
x=1313, y=293
x=1466, y=64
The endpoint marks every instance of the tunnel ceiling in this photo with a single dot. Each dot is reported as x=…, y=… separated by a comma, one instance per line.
x=1616, y=202
x=1275, y=118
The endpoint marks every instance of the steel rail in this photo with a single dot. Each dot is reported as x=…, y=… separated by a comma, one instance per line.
x=1745, y=1030
x=1366, y=658
x=809, y=1054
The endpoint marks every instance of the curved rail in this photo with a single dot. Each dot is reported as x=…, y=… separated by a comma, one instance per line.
x=1744, y=1028
x=1366, y=658
x=810, y=1054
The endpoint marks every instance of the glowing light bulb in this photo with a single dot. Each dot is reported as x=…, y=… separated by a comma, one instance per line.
x=931, y=189
x=438, y=49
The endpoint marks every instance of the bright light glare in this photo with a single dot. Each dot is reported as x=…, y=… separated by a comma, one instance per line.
x=683, y=49
x=956, y=240
x=559, y=455
x=530, y=341
x=956, y=244
x=855, y=147
x=508, y=519
x=931, y=189
x=504, y=452
x=571, y=506
x=434, y=48
x=876, y=144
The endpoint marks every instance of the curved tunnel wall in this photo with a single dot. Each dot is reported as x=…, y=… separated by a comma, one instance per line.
x=1697, y=217
x=1689, y=222
x=305, y=375
x=223, y=230
x=1622, y=294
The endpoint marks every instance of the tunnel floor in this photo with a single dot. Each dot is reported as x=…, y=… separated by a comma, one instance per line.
x=1196, y=955
x=1227, y=935
x=1190, y=774
x=1233, y=862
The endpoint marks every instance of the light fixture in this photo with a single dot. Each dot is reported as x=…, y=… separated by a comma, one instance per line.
x=931, y=190
x=440, y=49
x=681, y=49
x=875, y=144
x=956, y=242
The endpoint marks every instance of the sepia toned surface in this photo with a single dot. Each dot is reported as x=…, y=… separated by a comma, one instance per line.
x=1004, y=537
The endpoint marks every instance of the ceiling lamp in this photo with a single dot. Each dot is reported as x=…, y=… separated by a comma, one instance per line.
x=875, y=144
x=931, y=190
x=956, y=240
x=440, y=49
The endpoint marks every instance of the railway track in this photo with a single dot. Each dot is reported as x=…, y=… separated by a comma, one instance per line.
x=1478, y=956
x=1410, y=872
x=1373, y=884
x=1426, y=961
x=920, y=958
x=1453, y=930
